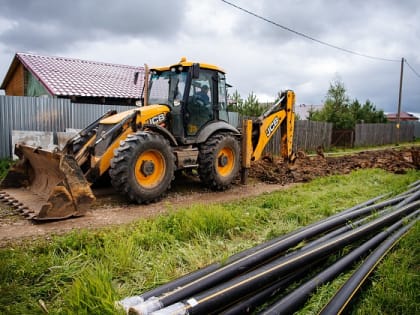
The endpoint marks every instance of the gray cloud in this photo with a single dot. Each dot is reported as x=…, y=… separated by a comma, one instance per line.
x=348, y=24
x=257, y=55
x=46, y=24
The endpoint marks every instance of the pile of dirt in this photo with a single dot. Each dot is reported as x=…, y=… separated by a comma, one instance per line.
x=305, y=167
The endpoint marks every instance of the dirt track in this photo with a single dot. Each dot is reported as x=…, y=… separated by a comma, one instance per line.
x=266, y=175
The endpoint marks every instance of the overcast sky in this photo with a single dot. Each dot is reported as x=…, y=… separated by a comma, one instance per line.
x=258, y=56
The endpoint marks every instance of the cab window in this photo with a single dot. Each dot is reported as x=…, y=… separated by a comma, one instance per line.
x=200, y=103
x=223, y=113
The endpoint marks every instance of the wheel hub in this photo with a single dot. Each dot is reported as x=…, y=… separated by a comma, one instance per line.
x=147, y=168
x=223, y=160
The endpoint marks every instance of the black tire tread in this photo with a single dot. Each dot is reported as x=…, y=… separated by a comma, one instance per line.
x=206, y=160
x=122, y=164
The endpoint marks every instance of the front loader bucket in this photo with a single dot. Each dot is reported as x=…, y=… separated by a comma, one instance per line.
x=46, y=185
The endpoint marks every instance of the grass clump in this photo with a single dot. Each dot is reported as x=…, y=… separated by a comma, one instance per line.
x=90, y=293
x=84, y=272
x=4, y=167
x=395, y=285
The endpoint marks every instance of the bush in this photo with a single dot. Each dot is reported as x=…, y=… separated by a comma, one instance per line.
x=4, y=167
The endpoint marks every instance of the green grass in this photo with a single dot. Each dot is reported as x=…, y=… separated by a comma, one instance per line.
x=84, y=272
x=395, y=287
x=4, y=167
x=342, y=151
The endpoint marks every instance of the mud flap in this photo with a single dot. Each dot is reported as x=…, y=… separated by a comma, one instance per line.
x=51, y=185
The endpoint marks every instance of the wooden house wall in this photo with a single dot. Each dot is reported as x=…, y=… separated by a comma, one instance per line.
x=16, y=85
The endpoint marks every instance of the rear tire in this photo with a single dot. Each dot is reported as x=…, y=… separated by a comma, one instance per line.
x=143, y=167
x=219, y=161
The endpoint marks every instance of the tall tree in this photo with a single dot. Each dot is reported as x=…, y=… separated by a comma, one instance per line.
x=336, y=107
x=251, y=106
x=345, y=114
x=248, y=107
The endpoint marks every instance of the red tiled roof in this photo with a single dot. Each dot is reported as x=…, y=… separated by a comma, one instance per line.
x=403, y=116
x=64, y=76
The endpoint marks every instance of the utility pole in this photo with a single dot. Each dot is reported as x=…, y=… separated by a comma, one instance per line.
x=399, y=101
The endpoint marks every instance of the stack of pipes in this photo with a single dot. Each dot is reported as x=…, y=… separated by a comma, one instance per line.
x=260, y=275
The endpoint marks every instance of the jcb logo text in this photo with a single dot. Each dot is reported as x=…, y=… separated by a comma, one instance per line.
x=157, y=119
x=272, y=126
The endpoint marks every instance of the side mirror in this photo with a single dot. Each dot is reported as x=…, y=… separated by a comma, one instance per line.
x=195, y=70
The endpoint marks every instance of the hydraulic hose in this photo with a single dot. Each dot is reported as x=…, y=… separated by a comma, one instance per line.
x=342, y=298
x=295, y=299
x=232, y=290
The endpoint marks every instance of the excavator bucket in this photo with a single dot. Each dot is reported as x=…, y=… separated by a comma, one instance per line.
x=46, y=185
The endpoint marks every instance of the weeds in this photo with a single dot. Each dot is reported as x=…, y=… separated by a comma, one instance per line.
x=4, y=167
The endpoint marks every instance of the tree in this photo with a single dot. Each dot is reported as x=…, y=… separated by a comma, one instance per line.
x=251, y=106
x=369, y=114
x=248, y=107
x=343, y=114
x=336, y=107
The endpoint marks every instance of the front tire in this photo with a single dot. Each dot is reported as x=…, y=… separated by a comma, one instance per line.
x=143, y=167
x=219, y=161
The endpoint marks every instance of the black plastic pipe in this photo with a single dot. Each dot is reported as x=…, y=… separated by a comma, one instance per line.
x=412, y=189
x=211, y=275
x=249, y=303
x=416, y=183
x=344, y=295
x=363, y=204
x=175, y=290
x=298, y=297
x=405, y=200
x=234, y=289
x=408, y=199
x=257, y=299
x=347, y=227
x=264, y=253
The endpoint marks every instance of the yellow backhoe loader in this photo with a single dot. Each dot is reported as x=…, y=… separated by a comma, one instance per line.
x=183, y=124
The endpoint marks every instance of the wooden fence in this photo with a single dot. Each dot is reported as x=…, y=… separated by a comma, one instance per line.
x=380, y=134
x=310, y=135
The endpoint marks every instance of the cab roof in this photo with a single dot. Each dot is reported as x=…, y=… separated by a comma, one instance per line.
x=184, y=63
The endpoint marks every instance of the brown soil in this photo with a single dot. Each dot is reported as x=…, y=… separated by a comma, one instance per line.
x=306, y=167
x=265, y=176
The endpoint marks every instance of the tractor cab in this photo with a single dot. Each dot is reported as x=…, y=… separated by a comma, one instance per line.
x=195, y=93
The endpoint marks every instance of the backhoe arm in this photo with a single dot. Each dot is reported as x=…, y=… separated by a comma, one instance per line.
x=256, y=134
